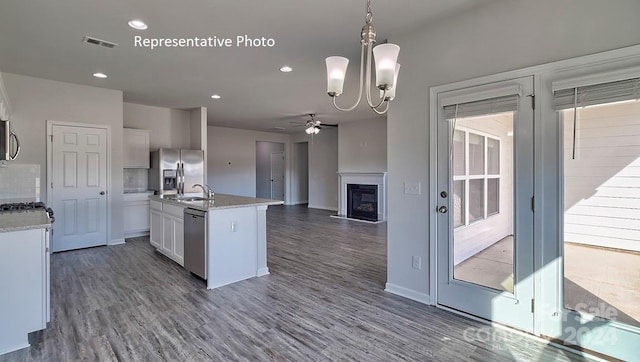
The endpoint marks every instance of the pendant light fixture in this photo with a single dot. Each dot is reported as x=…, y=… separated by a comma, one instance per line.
x=386, y=69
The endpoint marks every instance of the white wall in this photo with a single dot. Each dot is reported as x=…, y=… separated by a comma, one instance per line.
x=170, y=128
x=232, y=159
x=362, y=146
x=323, y=168
x=35, y=100
x=492, y=38
x=300, y=173
x=198, y=137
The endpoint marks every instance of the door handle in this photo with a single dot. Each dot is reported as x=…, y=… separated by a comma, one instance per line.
x=443, y=209
x=15, y=155
x=102, y=192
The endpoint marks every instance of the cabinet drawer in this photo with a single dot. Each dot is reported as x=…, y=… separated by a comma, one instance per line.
x=173, y=210
x=155, y=205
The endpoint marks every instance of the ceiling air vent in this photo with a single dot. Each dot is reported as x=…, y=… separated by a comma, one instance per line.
x=96, y=41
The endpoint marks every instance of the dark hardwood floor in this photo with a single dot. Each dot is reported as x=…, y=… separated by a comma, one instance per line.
x=324, y=300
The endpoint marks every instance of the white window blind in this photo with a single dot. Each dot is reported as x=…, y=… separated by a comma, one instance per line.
x=602, y=93
x=502, y=104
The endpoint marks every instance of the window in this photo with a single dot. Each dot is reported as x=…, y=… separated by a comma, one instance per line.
x=476, y=176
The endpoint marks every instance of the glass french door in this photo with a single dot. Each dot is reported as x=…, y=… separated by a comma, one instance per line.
x=595, y=253
x=484, y=192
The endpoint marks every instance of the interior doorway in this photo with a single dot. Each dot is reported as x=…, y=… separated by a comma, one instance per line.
x=270, y=175
x=300, y=173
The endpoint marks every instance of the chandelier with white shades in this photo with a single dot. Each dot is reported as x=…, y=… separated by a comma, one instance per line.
x=387, y=68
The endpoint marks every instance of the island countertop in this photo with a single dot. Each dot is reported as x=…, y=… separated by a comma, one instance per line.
x=220, y=201
x=24, y=220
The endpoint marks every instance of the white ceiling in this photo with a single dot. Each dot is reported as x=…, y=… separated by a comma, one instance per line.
x=42, y=38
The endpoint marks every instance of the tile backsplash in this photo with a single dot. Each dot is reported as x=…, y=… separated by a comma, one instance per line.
x=136, y=180
x=19, y=182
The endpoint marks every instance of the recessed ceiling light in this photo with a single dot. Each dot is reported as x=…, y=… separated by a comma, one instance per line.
x=215, y=96
x=137, y=24
x=286, y=69
x=99, y=75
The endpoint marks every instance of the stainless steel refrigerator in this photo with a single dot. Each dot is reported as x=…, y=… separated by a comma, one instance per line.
x=173, y=170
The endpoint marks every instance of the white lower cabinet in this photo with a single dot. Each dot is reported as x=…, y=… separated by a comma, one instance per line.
x=178, y=240
x=156, y=228
x=136, y=214
x=24, y=286
x=167, y=230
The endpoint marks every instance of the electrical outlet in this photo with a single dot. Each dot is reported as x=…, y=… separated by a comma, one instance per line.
x=416, y=262
x=412, y=188
x=234, y=226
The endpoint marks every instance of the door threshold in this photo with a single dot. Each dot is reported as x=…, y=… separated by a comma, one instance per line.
x=577, y=350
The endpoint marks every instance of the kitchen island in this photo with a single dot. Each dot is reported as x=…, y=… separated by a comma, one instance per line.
x=235, y=245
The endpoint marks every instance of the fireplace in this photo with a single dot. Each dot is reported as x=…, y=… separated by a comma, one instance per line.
x=362, y=202
x=371, y=180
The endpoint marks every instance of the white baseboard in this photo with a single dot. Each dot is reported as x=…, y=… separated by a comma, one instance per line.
x=323, y=207
x=262, y=272
x=14, y=348
x=116, y=242
x=296, y=203
x=136, y=234
x=407, y=293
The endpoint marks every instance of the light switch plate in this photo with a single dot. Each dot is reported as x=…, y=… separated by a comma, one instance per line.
x=412, y=188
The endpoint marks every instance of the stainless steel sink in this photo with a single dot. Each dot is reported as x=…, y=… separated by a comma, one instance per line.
x=191, y=198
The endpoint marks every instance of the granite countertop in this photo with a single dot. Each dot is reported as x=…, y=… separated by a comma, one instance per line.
x=24, y=220
x=220, y=201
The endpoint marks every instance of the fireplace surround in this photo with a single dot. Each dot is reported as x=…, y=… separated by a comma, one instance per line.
x=375, y=179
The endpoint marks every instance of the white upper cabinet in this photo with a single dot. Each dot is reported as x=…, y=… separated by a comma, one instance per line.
x=4, y=102
x=135, y=148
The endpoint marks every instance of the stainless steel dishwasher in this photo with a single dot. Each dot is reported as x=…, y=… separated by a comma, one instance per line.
x=195, y=242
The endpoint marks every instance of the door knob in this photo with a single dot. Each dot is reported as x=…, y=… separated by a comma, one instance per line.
x=102, y=192
x=443, y=209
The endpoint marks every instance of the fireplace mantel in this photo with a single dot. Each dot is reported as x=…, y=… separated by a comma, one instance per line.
x=363, y=178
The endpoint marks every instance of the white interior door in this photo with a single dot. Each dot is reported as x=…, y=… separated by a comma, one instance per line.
x=78, y=186
x=485, y=190
x=277, y=175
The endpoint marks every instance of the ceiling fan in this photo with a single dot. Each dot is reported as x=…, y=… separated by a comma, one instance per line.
x=313, y=126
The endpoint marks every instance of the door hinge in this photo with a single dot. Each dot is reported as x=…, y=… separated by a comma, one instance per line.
x=533, y=203
x=533, y=101
x=51, y=184
x=51, y=136
x=533, y=305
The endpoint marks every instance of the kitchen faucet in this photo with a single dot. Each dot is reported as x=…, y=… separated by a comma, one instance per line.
x=208, y=191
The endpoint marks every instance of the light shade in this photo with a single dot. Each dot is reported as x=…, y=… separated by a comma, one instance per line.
x=386, y=56
x=391, y=92
x=138, y=24
x=336, y=71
